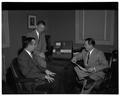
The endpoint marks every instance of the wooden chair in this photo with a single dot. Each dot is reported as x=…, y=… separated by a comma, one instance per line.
x=20, y=80
x=96, y=83
x=111, y=73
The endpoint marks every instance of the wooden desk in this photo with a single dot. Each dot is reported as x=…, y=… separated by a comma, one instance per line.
x=65, y=77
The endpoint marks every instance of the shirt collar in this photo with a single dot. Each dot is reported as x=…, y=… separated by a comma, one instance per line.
x=91, y=51
x=28, y=52
x=37, y=33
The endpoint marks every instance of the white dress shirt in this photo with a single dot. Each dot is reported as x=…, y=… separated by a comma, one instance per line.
x=29, y=53
x=37, y=34
x=91, y=51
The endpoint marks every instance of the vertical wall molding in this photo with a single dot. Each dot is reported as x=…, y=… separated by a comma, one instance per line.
x=83, y=12
x=77, y=26
x=107, y=31
x=105, y=25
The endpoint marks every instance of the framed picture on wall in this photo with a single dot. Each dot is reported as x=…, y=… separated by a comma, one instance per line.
x=31, y=21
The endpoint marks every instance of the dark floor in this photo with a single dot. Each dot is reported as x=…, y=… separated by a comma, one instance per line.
x=65, y=80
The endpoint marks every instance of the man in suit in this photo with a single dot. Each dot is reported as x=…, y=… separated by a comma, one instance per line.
x=39, y=35
x=30, y=67
x=94, y=62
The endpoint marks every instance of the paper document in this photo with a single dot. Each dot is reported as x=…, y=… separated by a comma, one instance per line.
x=81, y=67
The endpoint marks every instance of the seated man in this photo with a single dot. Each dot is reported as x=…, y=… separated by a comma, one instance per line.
x=39, y=35
x=31, y=68
x=94, y=62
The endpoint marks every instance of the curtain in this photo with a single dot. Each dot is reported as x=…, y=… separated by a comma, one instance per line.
x=5, y=29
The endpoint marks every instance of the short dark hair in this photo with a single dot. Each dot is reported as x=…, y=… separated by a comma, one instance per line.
x=41, y=22
x=27, y=41
x=91, y=41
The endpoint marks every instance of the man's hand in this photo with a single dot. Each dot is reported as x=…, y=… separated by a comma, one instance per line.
x=50, y=79
x=74, y=60
x=92, y=69
x=50, y=73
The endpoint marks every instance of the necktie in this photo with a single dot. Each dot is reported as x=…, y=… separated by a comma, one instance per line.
x=88, y=55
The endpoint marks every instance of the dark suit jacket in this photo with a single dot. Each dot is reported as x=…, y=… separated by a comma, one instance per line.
x=41, y=42
x=29, y=67
x=41, y=47
x=97, y=60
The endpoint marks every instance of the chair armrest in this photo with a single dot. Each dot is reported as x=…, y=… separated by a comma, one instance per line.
x=27, y=80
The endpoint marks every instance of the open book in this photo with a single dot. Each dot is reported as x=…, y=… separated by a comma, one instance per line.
x=80, y=67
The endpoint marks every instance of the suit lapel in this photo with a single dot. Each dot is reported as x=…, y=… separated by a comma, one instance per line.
x=92, y=56
x=36, y=36
x=28, y=56
x=31, y=60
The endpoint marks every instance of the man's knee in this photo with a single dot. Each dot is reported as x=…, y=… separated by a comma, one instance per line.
x=98, y=83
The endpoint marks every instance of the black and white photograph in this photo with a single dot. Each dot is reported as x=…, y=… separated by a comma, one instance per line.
x=60, y=48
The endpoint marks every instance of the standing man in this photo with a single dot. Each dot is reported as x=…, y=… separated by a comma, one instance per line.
x=39, y=35
x=94, y=62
